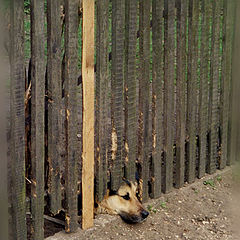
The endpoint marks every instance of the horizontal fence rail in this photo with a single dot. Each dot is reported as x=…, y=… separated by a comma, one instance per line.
x=157, y=110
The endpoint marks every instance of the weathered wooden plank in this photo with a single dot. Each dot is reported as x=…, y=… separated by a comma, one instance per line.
x=117, y=92
x=37, y=117
x=17, y=121
x=224, y=97
x=182, y=9
x=235, y=85
x=88, y=114
x=54, y=102
x=214, y=83
x=157, y=96
x=71, y=64
x=4, y=178
x=102, y=103
x=229, y=51
x=4, y=137
x=130, y=138
x=144, y=93
x=204, y=88
x=169, y=77
x=193, y=19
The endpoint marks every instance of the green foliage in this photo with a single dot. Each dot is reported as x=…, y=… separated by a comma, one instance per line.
x=196, y=191
x=219, y=178
x=27, y=6
x=27, y=37
x=151, y=209
x=163, y=204
x=209, y=182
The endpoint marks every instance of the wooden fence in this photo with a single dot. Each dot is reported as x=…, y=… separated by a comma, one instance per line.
x=162, y=97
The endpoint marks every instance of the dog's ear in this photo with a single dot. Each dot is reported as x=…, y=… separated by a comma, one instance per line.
x=112, y=192
x=134, y=186
x=137, y=177
x=127, y=182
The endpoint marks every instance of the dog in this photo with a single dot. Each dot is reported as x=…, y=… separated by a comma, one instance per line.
x=124, y=203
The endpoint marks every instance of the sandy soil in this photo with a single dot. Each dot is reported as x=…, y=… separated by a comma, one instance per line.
x=206, y=209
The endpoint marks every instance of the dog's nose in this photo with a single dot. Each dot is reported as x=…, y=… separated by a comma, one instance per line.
x=144, y=214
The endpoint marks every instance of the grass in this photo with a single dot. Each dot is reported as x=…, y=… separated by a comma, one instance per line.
x=196, y=191
x=212, y=182
x=163, y=205
x=153, y=209
x=150, y=208
x=219, y=178
x=209, y=182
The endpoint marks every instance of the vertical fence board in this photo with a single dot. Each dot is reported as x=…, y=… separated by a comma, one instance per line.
x=88, y=114
x=102, y=104
x=71, y=63
x=224, y=97
x=214, y=83
x=191, y=88
x=234, y=108
x=157, y=95
x=169, y=77
x=144, y=93
x=204, y=89
x=182, y=8
x=228, y=72
x=37, y=117
x=4, y=139
x=17, y=121
x=130, y=139
x=54, y=102
x=117, y=91
x=4, y=178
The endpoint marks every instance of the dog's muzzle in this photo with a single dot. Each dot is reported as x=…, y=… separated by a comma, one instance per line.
x=144, y=214
x=129, y=218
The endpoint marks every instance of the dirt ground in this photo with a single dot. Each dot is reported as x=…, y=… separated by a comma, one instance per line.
x=207, y=209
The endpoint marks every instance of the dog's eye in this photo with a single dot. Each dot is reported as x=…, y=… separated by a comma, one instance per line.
x=126, y=197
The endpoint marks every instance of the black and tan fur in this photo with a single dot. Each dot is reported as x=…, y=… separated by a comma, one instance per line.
x=125, y=203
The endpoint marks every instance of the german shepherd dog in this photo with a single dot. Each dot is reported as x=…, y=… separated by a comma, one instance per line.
x=125, y=203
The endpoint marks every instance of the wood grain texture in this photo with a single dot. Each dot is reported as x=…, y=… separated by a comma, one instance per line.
x=214, y=86
x=4, y=139
x=204, y=88
x=192, y=88
x=54, y=92
x=182, y=9
x=157, y=96
x=71, y=69
x=37, y=117
x=231, y=21
x=130, y=133
x=88, y=114
x=117, y=92
x=144, y=93
x=224, y=90
x=169, y=78
x=17, y=121
x=102, y=131
x=234, y=126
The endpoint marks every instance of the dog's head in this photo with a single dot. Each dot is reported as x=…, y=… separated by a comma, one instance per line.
x=125, y=203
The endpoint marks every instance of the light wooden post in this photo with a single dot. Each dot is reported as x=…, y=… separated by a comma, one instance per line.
x=88, y=114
